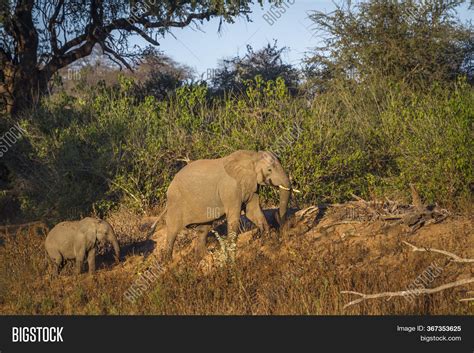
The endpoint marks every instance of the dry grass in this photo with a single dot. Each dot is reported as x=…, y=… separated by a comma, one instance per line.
x=292, y=274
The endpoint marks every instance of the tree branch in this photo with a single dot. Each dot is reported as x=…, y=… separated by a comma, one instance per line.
x=144, y=35
x=58, y=62
x=447, y=253
x=115, y=55
x=191, y=17
x=364, y=297
x=466, y=300
x=51, y=26
x=95, y=34
x=127, y=23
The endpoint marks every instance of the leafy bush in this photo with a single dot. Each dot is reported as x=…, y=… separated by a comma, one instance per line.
x=108, y=148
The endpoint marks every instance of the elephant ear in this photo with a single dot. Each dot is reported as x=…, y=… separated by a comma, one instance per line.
x=88, y=226
x=241, y=167
x=268, y=159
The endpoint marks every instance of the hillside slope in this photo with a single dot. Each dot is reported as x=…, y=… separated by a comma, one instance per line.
x=302, y=270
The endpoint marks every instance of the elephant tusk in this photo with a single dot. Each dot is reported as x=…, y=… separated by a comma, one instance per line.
x=289, y=189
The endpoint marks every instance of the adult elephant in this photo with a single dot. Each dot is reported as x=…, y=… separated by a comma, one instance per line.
x=206, y=190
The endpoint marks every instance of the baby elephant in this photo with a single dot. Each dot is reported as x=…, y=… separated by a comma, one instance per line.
x=77, y=239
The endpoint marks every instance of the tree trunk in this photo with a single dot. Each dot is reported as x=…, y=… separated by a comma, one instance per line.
x=21, y=78
x=24, y=89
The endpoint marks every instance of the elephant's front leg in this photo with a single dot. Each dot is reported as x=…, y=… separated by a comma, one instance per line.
x=233, y=225
x=56, y=260
x=254, y=213
x=56, y=269
x=58, y=265
x=91, y=260
x=201, y=248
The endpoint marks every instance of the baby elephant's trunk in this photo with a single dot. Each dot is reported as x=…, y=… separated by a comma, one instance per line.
x=115, y=245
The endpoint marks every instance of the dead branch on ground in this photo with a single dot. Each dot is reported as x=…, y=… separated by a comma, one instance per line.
x=364, y=297
x=444, y=252
x=393, y=213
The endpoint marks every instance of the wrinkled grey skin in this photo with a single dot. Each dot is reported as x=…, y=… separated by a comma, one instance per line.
x=76, y=240
x=206, y=190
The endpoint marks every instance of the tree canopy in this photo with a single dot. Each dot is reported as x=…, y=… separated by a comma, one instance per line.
x=413, y=41
x=266, y=62
x=39, y=37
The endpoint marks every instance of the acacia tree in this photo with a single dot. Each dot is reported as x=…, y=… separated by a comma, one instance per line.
x=266, y=62
x=411, y=41
x=39, y=37
x=158, y=74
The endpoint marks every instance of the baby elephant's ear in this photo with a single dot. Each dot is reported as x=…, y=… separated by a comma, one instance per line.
x=88, y=226
x=241, y=167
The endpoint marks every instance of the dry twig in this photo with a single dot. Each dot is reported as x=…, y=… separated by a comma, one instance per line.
x=447, y=253
x=364, y=297
x=466, y=300
x=186, y=159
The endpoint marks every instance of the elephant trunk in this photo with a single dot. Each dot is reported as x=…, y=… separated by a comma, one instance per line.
x=115, y=245
x=284, y=200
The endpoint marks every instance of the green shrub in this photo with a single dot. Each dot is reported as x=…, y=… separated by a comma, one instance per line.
x=106, y=147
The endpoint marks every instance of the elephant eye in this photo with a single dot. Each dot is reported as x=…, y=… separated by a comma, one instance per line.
x=269, y=169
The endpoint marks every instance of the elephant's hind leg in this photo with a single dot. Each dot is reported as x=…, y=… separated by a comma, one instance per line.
x=201, y=248
x=58, y=265
x=172, y=231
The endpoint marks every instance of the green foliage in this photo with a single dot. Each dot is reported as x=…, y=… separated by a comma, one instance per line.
x=352, y=139
x=409, y=41
x=234, y=73
x=435, y=147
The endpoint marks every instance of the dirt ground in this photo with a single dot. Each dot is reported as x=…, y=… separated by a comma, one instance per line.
x=305, y=268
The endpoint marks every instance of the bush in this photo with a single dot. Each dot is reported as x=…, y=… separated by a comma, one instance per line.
x=108, y=148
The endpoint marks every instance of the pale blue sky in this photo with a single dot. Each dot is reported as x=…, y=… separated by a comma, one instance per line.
x=202, y=48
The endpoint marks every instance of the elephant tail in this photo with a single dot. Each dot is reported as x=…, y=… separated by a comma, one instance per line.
x=152, y=229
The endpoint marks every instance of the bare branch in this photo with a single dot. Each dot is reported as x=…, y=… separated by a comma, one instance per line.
x=185, y=159
x=191, y=17
x=51, y=26
x=72, y=43
x=364, y=297
x=447, y=253
x=58, y=62
x=341, y=223
x=127, y=23
x=96, y=32
x=120, y=60
x=466, y=300
x=358, y=198
x=416, y=199
x=308, y=211
x=145, y=35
